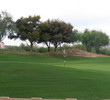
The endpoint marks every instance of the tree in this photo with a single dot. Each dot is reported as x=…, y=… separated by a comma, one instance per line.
x=55, y=32
x=59, y=32
x=7, y=25
x=87, y=39
x=100, y=40
x=94, y=39
x=28, y=29
x=45, y=35
x=57, y=40
x=75, y=36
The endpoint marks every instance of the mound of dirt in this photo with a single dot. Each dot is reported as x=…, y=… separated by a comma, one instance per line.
x=83, y=53
x=80, y=53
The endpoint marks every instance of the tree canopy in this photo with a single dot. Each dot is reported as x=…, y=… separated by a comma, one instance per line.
x=75, y=36
x=7, y=25
x=94, y=39
x=45, y=35
x=55, y=32
x=28, y=29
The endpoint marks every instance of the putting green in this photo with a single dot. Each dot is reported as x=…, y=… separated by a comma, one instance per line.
x=26, y=76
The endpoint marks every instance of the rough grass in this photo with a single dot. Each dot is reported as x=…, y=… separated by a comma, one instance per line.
x=24, y=76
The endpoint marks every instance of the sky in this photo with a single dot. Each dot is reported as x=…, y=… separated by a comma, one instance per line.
x=82, y=14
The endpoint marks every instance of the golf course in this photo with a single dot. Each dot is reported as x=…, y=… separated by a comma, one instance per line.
x=45, y=76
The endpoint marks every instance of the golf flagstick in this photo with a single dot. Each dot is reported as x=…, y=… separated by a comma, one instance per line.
x=64, y=52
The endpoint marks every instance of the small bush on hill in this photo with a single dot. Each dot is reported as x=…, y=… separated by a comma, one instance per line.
x=105, y=51
x=27, y=48
x=66, y=46
x=79, y=47
x=15, y=48
x=42, y=50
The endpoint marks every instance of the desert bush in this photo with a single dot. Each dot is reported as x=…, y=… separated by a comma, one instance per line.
x=66, y=46
x=27, y=48
x=42, y=50
x=79, y=47
x=15, y=48
x=105, y=51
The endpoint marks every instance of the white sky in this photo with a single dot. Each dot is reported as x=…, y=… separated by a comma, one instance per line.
x=91, y=14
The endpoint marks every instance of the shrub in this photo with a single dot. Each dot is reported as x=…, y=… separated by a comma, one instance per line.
x=79, y=47
x=105, y=51
x=93, y=50
x=66, y=46
x=27, y=47
x=15, y=48
x=42, y=50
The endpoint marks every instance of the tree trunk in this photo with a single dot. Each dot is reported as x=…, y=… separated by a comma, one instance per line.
x=31, y=46
x=48, y=46
x=55, y=45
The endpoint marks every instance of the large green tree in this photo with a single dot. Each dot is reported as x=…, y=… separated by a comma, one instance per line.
x=94, y=39
x=101, y=39
x=45, y=35
x=75, y=36
x=56, y=32
x=7, y=25
x=28, y=29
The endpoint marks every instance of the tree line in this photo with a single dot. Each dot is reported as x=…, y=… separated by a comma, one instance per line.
x=49, y=32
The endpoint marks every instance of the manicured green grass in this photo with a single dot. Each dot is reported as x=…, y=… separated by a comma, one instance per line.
x=24, y=76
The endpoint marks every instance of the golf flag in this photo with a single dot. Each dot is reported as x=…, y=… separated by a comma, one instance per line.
x=64, y=51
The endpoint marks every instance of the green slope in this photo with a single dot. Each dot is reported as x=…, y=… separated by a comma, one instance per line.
x=46, y=77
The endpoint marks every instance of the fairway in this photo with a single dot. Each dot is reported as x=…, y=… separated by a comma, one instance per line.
x=26, y=76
